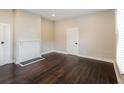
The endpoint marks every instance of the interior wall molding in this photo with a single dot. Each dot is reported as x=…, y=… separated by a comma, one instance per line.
x=46, y=52
x=95, y=58
x=85, y=56
x=7, y=62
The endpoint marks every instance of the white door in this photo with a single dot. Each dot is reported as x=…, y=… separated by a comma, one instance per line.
x=72, y=40
x=120, y=43
x=1, y=45
x=4, y=43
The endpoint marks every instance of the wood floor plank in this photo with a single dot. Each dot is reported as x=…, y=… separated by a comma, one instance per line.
x=59, y=68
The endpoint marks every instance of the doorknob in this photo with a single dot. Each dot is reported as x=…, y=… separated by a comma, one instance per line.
x=76, y=43
x=2, y=42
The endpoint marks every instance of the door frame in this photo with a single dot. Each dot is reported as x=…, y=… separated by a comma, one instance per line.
x=10, y=44
x=75, y=29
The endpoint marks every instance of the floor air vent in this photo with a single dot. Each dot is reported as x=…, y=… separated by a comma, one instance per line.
x=31, y=61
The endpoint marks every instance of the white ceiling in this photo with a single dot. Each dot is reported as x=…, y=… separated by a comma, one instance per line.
x=62, y=13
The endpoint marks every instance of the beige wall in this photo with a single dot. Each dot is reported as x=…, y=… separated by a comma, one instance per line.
x=47, y=35
x=96, y=34
x=27, y=26
x=33, y=27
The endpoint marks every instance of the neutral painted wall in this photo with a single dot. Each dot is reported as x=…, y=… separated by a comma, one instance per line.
x=27, y=27
x=96, y=34
x=6, y=17
x=30, y=27
x=47, y=35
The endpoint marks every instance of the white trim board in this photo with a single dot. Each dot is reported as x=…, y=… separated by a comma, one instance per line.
x=85, y=56
x=28, y=49
x=43, y=53
x=118, y=75
x=95, y=58
x=8, y=62
x=31, y=62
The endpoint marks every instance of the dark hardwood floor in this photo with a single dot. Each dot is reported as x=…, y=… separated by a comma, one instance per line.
x=60, y=69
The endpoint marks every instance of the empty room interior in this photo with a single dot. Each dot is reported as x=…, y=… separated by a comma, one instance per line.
x=59, y=46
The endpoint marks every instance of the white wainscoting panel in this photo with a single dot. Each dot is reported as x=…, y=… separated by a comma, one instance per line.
x=28, y=50
x=120, y=46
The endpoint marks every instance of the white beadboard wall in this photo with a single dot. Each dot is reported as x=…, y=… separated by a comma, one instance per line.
x=120, y=47
x=28, y=50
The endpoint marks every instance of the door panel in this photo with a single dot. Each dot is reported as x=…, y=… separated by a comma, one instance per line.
x=1, y=45
x=72, y=40
x=4, y=43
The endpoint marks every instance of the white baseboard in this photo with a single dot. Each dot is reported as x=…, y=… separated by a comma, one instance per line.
x=95, y=58
x=6, y=62
x=85, y=56
x=63, y=52
x=118, y=75
x=46, y=52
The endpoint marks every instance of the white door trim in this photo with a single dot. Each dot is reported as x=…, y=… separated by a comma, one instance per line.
x=8, y=42
x=72, y=40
